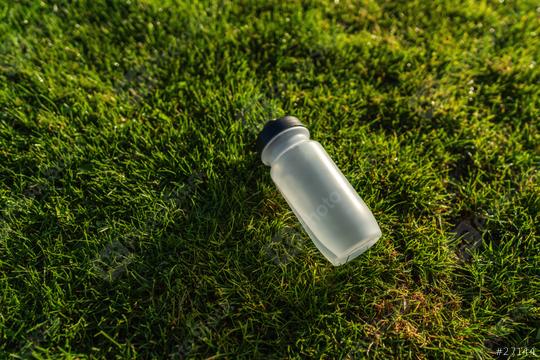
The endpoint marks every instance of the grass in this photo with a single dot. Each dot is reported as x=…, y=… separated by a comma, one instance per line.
x=137, y=222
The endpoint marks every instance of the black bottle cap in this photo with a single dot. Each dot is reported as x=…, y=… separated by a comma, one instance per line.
x=273, y=127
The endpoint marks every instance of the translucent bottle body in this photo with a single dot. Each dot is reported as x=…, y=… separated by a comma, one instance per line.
x=328, y=207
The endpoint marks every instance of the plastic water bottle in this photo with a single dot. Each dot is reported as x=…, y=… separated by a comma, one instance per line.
x=330, y=210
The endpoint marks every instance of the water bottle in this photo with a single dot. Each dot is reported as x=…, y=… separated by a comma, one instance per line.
x=333, y=215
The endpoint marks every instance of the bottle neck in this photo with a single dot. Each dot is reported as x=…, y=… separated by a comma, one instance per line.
x=283, y=142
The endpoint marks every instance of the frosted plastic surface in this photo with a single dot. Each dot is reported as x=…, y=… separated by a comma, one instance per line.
x=330, y=210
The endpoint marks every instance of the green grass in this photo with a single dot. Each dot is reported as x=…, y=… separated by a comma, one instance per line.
x=137, y=222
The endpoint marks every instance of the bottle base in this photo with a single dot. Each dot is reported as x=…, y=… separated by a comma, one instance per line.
x=354, y=251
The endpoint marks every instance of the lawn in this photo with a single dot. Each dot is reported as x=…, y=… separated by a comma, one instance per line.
x=136, y=220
